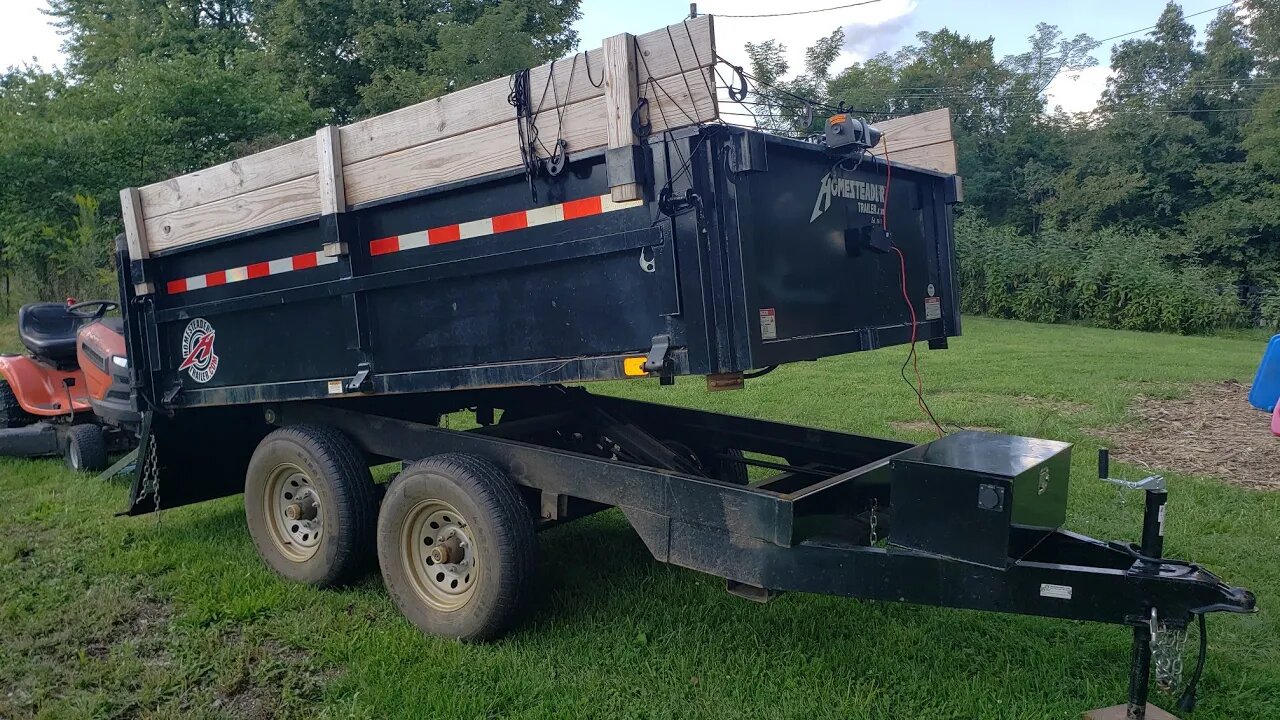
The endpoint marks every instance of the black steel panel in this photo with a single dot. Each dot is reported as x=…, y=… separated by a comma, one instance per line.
x=727, y=228
x=960, y=496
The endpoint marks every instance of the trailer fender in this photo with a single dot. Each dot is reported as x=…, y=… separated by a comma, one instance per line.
x=195, y=454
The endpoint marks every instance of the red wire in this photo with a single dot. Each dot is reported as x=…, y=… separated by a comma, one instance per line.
x=902, y=264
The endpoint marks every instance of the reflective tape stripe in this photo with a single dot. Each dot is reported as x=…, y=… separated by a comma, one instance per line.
x=507, y=222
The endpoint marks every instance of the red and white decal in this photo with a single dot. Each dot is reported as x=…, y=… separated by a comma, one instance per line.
x=198, y=358
x=250, y=272
x=571, y=210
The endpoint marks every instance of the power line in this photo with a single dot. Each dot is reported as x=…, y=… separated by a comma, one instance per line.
x=1153, y=27
x=798, y=12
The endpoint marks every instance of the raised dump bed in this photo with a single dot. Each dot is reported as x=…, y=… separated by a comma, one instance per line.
x=301, y=314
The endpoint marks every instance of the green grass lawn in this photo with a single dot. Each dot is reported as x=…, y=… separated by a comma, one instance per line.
x=175, y=617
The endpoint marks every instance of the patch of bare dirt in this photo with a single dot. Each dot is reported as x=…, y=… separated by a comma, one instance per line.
x=1213, y=431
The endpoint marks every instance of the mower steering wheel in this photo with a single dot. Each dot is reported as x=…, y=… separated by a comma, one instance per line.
x=99, y=308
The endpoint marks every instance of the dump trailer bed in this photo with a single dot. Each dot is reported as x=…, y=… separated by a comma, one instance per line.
x=751, y=252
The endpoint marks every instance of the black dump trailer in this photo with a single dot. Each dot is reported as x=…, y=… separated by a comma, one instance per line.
x=285, y=362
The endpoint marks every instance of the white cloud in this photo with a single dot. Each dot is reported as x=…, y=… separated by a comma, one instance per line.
x=868, y=29
x=1078, y=91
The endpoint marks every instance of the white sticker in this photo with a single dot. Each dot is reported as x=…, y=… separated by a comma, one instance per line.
x=929, y=290
x=1062, y=592
x=1162, y=507
x=932, y=308
x=768, y=324
x=335, y=387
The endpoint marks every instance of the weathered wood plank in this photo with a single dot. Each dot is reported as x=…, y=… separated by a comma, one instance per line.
x=279, y=203
x=915, y=131
x=253, y=172
x=135, y=233
x=496, y=148
x=938, y=156
x=620, y=98
x=485, y=105
x=333, y=194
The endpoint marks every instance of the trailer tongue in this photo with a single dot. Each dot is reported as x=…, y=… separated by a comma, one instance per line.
x=315, y=309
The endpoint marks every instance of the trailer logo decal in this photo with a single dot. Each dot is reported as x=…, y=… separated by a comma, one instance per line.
x=199, y=360
x=869, y=195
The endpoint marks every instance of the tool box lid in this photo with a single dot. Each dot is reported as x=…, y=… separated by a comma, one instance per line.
x=984, y=452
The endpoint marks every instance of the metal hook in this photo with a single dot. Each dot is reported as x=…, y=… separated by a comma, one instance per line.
x=641, y=128
x=739, y=93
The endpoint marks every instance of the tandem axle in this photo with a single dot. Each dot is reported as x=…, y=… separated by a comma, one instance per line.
x=972, y=520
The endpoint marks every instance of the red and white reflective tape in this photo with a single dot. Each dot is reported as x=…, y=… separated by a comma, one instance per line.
x=572, y=210
x=249, y=272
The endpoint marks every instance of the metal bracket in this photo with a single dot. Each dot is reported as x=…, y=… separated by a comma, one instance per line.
x=362, y=379
x=657, y=359
x=624, y=165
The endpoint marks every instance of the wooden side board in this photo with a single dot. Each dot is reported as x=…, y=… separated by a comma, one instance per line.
x=480, y=106
x=454, y=137
x=924, y=140
x=254, y=172
x=497, y=148
x=276, y=204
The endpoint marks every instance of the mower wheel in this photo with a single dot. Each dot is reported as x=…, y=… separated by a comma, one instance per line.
x=456, y=547
x=311, y=505
x=11, y=413
x=86, y=448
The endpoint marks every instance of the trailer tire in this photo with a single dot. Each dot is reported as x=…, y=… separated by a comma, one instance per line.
x=86, y=449
x=457, y=547
x=298, y=475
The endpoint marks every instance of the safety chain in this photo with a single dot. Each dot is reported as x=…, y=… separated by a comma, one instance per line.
x=874, y=521
x=151, y=476
x=1167, y=645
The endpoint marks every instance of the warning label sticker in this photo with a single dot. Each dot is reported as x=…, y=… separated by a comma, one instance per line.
x=1062, y=592
x=932, y=308
x=768, y=324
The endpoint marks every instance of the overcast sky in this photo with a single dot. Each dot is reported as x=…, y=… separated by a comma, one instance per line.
x=25, y=32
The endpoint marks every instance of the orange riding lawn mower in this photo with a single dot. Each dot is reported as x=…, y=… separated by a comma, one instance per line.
x=69, y=395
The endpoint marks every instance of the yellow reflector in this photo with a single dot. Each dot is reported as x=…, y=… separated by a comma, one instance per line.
x=633, y=367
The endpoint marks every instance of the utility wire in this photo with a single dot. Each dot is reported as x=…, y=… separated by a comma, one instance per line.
x=798, y=12
x=1153, y=27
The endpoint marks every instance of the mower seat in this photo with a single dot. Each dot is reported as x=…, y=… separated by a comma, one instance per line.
x=48, y=331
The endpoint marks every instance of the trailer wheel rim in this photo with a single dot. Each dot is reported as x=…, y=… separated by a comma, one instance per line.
x=293, y=511
x=438, y=552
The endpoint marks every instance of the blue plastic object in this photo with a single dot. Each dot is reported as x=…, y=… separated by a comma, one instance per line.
x=1266, y=384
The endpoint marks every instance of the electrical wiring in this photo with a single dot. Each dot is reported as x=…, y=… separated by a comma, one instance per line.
x=913, y=358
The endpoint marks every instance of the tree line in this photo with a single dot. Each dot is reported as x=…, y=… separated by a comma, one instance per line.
x=1159, y=209
x=156, y=88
